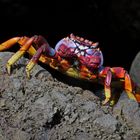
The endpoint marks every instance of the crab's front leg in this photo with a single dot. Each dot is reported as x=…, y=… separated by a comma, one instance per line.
x=19, y=54
x=26, y=45
x=42, y=48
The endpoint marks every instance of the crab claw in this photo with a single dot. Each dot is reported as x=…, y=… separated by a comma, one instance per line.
x=94, y=45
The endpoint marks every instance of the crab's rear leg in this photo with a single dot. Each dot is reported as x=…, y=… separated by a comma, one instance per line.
x=129, y=87
x=122, y=74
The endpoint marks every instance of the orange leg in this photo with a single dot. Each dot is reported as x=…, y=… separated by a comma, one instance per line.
x=21, y=41
x=26, y=46
x=128, y=87
x=19, y=54
x=9, y=43
x=137, y=95
x=119, y=72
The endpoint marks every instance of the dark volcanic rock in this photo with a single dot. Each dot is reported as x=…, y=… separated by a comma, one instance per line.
x=44, y=108
x=135, y=69
x=129, y=111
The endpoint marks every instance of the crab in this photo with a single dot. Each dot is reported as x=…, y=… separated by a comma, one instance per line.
x=74, y=56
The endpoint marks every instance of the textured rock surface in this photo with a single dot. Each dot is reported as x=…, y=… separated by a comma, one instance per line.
x=44, y=108
x=135, y=69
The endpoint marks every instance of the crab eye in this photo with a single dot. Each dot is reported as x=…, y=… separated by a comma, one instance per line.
x=94, y=45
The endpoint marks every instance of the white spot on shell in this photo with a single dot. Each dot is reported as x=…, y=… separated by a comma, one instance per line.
x=82, y=53
x=76, y=51
x=81, y=47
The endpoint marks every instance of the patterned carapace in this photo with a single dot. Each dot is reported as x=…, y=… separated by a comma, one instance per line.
x=83, y=52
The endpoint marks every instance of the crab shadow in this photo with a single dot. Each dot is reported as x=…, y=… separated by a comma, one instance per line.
x=96, y=88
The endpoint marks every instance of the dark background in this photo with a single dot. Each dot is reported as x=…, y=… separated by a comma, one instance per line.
x=114, y=24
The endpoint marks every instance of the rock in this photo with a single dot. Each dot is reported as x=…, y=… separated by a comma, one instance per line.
x=2, y=135
x=128, y=110
x=43, y=108
x=90, y=106
x=21, y=135
x=135, y=69
x=2, y=103
x=108, y=122
x=82, y=136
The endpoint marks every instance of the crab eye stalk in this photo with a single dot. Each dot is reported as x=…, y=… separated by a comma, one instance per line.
x=72, y=36
x=94, y=45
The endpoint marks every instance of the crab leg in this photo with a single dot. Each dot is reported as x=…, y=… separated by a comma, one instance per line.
x=107, y=87
x=19, y=54
x=45, y=48
x=26, y=46
x=128, y=87
x=9, y=43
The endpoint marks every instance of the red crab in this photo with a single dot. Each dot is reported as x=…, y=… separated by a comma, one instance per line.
x=73, y=56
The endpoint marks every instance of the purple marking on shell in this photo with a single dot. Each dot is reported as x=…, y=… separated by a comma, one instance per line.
x=90, y=51
x=67, y=42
